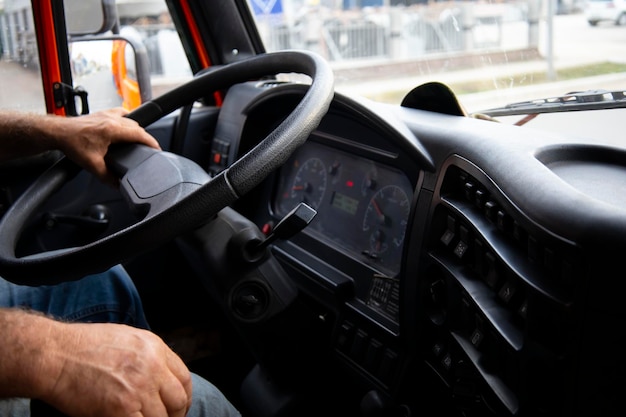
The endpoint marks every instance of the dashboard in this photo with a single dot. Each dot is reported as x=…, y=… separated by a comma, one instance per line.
x=451, y=256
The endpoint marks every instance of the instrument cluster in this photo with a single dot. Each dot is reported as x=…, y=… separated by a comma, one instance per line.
x=362, y=206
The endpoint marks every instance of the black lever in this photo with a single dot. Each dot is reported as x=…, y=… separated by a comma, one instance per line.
x=296, y=220
x=96, y=218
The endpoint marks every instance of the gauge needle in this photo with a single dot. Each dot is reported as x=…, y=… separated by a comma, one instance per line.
x=304, y=187
x=379, y=240
x=381, y=215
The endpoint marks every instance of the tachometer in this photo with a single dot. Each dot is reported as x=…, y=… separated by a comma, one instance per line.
x=309, y=184
x=385, y=220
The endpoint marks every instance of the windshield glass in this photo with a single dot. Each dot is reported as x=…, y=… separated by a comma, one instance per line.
x=490, y=53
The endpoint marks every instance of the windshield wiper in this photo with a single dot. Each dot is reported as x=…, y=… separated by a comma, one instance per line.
x=574, y=101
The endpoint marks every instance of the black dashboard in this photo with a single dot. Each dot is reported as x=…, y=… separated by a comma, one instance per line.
x=457, y=259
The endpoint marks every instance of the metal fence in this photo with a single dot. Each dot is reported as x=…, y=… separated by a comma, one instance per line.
x=400, y=33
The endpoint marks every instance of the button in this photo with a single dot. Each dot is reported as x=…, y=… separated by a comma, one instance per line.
x=448, y=237
x=388, y=364
x=449, y=234
x=522, y=311
x=470, y=190
x=480, y=196
x=492, y=275
x=461, y=248
x=267, y=228
x=372, y=356
x=357, y=352
x=518, y=232
x=550, y=260
x=345, y=334
x=479, y=255
x=437, y=292
x=491, y=210
x=446, y=362
x=503, y=221
x=476, y=338
x=438, y=349
x=507, y=292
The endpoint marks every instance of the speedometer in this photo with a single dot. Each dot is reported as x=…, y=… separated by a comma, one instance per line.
x=309, y=184
x=385, y=220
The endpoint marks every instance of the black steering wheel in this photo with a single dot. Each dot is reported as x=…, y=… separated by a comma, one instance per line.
x=172, y=194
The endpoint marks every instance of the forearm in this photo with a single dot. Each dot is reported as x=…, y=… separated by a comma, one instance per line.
x=24, y=134
x=26, y=366
x=85, y=139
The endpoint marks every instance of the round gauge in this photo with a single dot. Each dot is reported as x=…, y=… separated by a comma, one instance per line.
x=309, y=184
x=385, y=219
x=370, y=182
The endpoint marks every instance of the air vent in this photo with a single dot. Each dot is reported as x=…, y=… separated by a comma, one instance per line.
x=495, y=298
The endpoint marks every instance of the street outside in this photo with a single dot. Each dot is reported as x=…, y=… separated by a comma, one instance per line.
x=575, y=43
x=22, y=88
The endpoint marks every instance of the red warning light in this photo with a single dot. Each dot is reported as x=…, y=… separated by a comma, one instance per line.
x=349, y=183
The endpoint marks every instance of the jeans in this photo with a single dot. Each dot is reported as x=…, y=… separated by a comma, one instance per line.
x=109, y=297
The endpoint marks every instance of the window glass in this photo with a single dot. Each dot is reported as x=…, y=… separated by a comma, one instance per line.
x=19, y=61
x=113, y=73
x=489, y=52
x=147, y=63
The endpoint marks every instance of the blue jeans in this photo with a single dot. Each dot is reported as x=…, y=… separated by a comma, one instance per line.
x=109, y=297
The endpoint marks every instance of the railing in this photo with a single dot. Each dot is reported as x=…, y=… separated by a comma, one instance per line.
x=400, y=33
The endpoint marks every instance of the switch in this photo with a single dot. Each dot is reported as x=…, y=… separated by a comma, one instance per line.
x=462, y=247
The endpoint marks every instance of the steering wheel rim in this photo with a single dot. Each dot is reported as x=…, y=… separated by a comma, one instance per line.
x=183, y=203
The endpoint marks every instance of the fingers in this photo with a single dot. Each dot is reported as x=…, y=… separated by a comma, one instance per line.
x=90, y=141
x=154, y=407
x=117, y=111
x=131, y=131
x=174, y=399
x=177, y=393
x=180, y=370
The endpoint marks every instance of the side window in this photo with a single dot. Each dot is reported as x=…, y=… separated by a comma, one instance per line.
x=19, y=63
x=140, y=58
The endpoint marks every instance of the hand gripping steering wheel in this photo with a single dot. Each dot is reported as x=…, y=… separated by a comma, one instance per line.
x=173, y=194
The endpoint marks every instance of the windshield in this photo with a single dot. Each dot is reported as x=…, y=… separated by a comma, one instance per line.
x=490, y=53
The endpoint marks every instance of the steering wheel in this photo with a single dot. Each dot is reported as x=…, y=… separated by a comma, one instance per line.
x=172, y=194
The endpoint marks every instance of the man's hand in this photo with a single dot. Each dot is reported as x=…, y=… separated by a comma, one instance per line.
x=111, y=370
x=91, y=369
x=86, y=139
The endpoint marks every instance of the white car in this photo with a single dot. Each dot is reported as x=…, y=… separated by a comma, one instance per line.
x=606, y=10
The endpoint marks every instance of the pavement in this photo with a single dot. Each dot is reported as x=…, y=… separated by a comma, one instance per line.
x=23, y=88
